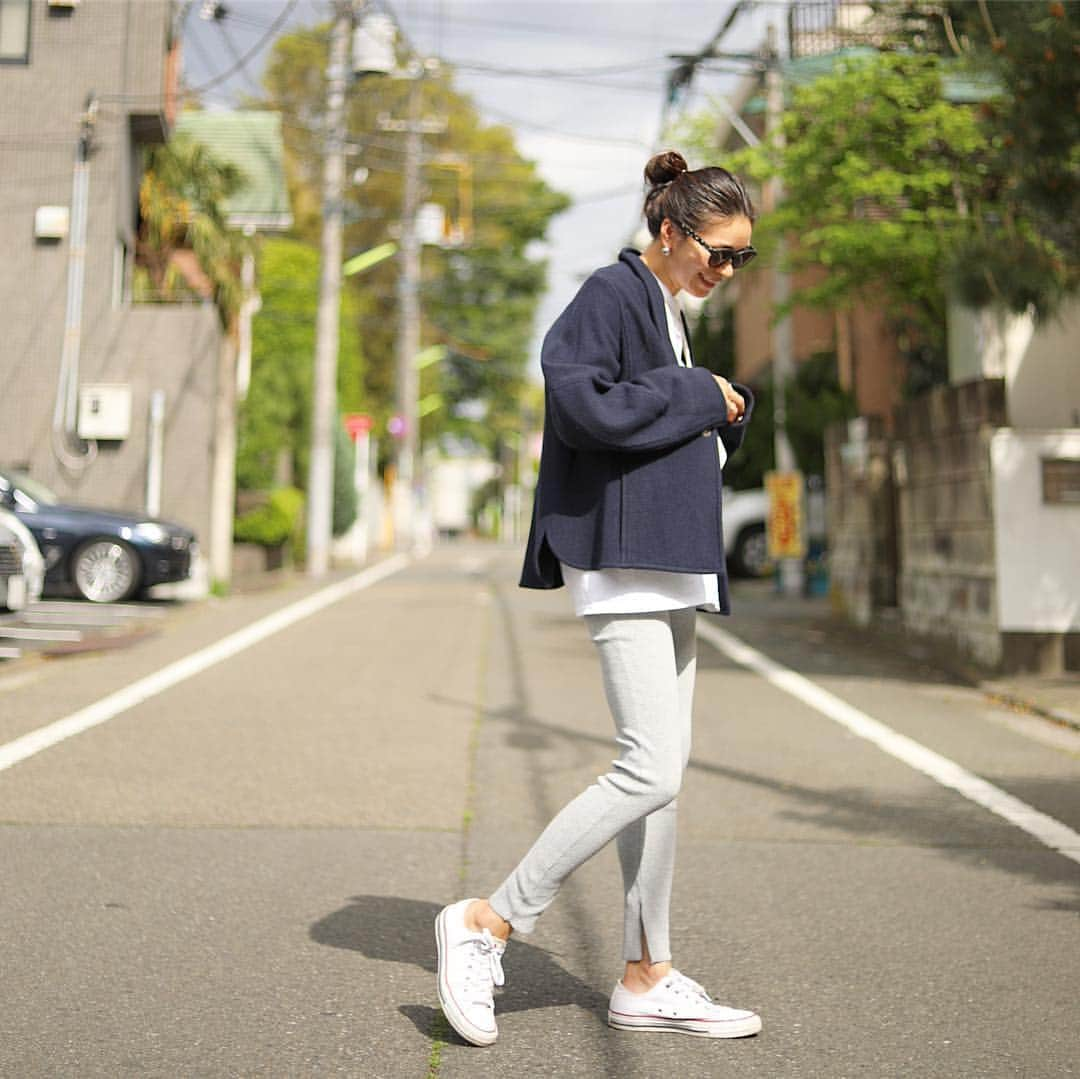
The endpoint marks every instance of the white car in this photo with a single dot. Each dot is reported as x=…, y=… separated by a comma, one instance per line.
x=22, y=569
x=745, y=543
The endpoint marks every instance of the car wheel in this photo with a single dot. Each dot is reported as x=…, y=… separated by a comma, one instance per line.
x=751, y=554
x=105, y=571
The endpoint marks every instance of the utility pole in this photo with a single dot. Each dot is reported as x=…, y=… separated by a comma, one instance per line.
x=791, y=569
x=408, y=337
x=324, y=396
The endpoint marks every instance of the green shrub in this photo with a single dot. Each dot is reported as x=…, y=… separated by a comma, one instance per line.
x=273, y=523
x=344, y=485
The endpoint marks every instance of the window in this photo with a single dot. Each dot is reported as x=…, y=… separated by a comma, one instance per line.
x=14, y=31
x=1060, y=481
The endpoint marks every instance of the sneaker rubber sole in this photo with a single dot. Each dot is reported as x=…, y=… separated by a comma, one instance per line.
x=454, y=1016
x=698, y=1028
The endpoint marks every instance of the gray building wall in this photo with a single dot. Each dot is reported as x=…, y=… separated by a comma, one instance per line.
x=117, y=50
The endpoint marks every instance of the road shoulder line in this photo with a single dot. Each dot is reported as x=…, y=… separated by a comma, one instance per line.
x=1047, y=830
x=124, y=699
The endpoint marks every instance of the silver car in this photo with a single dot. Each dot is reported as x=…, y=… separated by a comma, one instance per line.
x=22, y=569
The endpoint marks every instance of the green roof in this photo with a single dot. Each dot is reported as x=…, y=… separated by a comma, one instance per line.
x=250, y=140
x=960, y=89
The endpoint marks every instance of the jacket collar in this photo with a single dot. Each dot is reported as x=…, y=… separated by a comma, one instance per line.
x=657, y=308
x=631, y=257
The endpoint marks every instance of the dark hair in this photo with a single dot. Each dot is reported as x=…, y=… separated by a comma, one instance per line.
x=691, y=197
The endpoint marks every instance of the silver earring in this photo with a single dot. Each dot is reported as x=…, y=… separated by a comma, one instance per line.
x=665, y=249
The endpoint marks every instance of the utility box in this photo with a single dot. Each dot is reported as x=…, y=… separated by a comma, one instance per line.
x=51, y=222
x=105, y=412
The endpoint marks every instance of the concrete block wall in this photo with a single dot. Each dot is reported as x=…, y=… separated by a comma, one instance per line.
x=861, y=524
x=945, y=524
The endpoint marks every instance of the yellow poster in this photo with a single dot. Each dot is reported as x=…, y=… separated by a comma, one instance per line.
x=786, y=529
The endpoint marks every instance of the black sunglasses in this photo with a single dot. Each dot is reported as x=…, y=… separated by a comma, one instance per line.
x=721, y=256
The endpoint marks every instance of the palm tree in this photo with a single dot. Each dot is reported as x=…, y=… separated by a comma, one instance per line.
x=185, y=247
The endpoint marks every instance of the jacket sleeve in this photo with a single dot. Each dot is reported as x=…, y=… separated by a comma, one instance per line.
x=591, y=409
x=732, y=434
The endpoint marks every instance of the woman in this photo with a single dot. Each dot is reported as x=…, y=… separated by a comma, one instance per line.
x=627, y=516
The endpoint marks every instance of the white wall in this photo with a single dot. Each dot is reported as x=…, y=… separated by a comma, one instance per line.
x=1037, y=546
x=1039, y=362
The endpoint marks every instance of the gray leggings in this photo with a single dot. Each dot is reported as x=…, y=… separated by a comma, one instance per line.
x=648, y=663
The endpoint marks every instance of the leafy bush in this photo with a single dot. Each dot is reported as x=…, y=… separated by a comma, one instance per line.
x=344, y=485
x=273, y=523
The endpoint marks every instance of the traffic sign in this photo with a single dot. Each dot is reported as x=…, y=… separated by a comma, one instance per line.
x=357, y=424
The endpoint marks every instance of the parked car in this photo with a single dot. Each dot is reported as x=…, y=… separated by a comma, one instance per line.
x=22, y=569
x=745, y=542
x=105, y=555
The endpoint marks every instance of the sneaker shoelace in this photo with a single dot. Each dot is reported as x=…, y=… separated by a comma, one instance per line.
x=483, y=966
x=687, y=986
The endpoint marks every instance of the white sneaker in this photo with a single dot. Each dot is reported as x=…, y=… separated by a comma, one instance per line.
x=470, y=965
x=678, y=1003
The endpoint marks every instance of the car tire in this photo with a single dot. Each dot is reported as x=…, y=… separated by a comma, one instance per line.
x=105, y=570
x=750, y=557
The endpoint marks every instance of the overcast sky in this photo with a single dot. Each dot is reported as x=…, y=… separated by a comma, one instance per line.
x=589, y=129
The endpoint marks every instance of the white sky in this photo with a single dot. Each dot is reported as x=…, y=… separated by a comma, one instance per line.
x=590, y=136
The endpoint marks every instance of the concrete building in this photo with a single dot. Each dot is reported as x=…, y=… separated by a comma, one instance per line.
x=102, y=76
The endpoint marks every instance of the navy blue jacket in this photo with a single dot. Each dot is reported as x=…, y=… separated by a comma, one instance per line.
x=626, y=477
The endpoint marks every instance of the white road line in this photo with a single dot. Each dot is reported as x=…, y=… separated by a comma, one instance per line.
x=1045, y=829
x=153, y=684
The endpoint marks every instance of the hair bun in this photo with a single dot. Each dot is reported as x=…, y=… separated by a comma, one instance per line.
x=664, y=167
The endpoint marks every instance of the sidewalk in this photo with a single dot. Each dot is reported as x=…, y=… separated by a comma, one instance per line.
x=1055, y=697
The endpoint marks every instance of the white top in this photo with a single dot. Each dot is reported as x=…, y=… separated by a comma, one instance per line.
x=635, y=591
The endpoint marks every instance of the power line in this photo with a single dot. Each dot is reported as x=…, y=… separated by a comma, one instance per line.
x=581, y=136
x=222, y=76
x=242, y=61
x=568, y=29
x=230, y=45
x=631, y=68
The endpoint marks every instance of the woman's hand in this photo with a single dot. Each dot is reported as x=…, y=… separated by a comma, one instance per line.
x=736, y=406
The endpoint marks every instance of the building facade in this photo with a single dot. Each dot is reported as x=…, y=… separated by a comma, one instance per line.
x=85, y=88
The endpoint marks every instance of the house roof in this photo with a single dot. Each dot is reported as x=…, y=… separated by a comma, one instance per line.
x=959, y=88
x=251, y=140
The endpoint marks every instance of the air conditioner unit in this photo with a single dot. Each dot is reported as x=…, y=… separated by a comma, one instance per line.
x=63, y=3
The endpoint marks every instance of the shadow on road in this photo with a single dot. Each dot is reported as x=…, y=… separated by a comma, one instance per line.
x=859, y=812
x=395, y=930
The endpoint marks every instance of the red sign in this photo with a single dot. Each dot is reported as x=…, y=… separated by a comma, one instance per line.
x=357, y=424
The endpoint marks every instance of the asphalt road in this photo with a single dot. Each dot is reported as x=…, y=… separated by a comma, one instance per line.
x=237, y=876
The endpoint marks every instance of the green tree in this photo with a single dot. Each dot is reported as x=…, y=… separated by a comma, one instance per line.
x=479, y=299
x=878, y=169
x=1023, y=247
x=182, y=199
x=275, y=418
